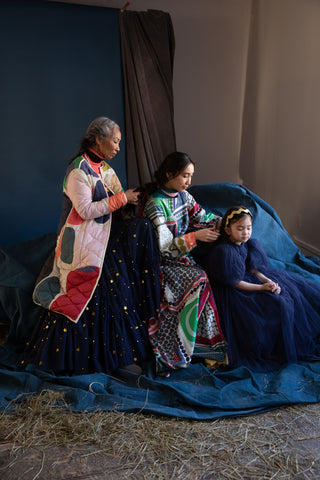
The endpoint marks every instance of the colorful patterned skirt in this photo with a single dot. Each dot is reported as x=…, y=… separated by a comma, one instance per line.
x=188, y=323
x=113, y=330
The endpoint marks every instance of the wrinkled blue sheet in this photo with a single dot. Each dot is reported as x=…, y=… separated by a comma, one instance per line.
x=195, y=393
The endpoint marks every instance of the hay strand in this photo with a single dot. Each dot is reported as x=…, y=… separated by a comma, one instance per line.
x=281, y=444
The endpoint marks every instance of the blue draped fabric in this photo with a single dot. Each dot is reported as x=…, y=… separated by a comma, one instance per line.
x=196, y=392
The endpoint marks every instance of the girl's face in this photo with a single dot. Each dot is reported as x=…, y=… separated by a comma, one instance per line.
x=182, y=181
x=240, y=230
x=110, y=146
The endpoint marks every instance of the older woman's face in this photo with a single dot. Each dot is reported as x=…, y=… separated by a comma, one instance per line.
x=110, y=146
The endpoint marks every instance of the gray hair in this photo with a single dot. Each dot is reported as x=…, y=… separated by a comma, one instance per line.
x=101, y=127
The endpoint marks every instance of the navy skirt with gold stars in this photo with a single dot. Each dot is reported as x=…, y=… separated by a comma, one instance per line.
x=113, y=330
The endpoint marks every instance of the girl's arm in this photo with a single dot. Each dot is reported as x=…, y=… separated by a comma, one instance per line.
x=260, y=275
x=267, y=284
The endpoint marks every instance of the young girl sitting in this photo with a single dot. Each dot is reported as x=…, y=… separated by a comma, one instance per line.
x=269, y=316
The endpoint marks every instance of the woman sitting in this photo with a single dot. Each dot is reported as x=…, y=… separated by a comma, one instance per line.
x=188, y=322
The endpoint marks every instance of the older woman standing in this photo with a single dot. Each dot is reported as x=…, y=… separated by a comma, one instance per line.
x=102, y=288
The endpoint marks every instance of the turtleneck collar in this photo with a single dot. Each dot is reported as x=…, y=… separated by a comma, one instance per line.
x=168, y=191
x=94, y=160
x=94, y=156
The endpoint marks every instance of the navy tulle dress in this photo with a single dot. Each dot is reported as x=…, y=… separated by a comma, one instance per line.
x=113, y=330
x=264, y=331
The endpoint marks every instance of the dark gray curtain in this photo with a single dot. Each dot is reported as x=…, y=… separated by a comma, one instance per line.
x=147, y=46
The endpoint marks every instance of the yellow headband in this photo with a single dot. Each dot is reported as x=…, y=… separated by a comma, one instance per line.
x=237, y=212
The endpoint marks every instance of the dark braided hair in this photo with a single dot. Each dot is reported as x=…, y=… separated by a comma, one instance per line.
x=101, y=127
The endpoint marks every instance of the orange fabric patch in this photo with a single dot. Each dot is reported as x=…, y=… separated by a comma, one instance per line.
x=74, y=218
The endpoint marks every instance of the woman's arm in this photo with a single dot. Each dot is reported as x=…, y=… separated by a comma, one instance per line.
x=207, y=234
x=198, y=217
x=159, y=213
x=80, y=193
x=168, y=243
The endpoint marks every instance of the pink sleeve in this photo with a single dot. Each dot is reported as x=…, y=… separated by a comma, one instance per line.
x=80, y=194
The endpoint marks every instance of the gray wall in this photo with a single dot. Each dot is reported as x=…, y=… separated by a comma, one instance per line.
x=246, y=88
x=281, y=141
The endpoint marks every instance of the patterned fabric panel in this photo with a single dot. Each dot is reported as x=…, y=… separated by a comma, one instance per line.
x=82, y=241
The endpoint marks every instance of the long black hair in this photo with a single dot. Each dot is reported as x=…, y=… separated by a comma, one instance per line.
x=174, y=163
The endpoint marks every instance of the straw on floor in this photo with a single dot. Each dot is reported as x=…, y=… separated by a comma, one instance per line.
x=279, y=444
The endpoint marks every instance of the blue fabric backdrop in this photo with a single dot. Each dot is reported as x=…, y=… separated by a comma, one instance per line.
x=195, y=393
x=60, y=68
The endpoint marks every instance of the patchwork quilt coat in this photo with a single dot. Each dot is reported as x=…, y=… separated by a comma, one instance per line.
x=68, y=280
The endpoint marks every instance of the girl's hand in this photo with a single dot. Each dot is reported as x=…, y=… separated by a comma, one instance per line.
x=271, y=287
x=132, y=196
x=206, y=235
x=277, y=289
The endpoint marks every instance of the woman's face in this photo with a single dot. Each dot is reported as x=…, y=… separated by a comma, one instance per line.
x=182, y=181
x=109, y=147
